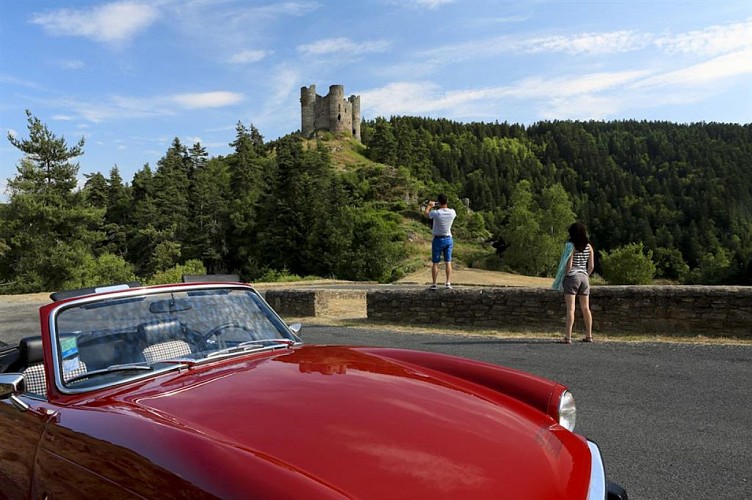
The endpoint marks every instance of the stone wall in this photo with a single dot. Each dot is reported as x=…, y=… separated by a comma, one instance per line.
x=315, y=302
x=673, y=310
x=676, y=310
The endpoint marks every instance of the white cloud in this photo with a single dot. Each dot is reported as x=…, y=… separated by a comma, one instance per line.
x=431, y=4
x=581, y=107
x=710, y=41
x=71, y=64
x=420, y=98
x=588, y=43
x=578, y=44
x=719, y=68
x=111, y=23
x=572, y=85
x=125, y=107
x=277, y=9
x=216, y=99
x=63, y=118
x=421, y=4
x=247, y=56
x=343, y=46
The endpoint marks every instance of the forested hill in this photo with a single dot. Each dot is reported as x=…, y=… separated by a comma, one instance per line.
x=684, y=191
x=333, y=207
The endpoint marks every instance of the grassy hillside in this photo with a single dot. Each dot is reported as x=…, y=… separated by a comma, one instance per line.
x=348, y=156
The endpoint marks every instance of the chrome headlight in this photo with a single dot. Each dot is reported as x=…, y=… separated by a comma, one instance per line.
x=567, y=411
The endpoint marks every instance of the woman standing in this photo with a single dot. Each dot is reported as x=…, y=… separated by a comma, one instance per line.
x=576, y=266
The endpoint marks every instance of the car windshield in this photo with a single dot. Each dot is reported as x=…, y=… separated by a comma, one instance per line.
x=100, y=342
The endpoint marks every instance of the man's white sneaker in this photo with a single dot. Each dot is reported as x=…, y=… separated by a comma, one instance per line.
x=433, y=287
x=448, y=286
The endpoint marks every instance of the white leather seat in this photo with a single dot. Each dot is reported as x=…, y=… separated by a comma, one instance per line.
x=36, y=382
x=163, y=340
x=166, y=350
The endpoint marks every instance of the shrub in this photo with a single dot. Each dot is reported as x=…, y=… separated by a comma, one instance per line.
x=278, y=276
x=106, y=269
x=628, y=265
x=175, y=273
x=670, y=264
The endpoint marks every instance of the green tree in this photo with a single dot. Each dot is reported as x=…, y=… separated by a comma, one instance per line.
x=95, y=190
x=670, y=264
x=49, y=228
x=382, y=147
x=535, y=231
x=248, y=168
x=211, y=198
x=377, y=246
x=117, y=217
x=628, y=265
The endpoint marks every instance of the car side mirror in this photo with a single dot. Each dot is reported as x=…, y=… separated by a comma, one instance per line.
x=11, y=386
x=296, y=327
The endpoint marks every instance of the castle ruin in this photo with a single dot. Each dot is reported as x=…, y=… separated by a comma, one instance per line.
x=332, y=112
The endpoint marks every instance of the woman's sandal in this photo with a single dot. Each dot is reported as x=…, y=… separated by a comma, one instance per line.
x=588, y=339
x=565, y=341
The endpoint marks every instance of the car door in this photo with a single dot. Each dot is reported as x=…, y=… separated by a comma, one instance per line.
x=20, y=434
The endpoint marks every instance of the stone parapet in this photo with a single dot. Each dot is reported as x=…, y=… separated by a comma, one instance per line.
x=675, y=310
x=314, y=302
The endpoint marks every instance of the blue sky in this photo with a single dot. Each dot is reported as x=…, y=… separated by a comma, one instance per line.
x=130, y=76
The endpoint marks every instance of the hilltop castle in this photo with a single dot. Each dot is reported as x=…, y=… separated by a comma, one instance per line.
x=332, y=112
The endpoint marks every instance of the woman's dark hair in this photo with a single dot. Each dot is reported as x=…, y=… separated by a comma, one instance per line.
x=578, y=236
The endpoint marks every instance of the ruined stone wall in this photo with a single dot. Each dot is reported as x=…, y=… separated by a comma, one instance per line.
x=332, y=112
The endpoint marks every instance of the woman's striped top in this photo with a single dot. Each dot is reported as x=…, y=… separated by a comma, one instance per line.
x=579, y=261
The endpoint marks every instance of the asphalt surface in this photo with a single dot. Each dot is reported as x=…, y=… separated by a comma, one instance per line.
x=673, y=421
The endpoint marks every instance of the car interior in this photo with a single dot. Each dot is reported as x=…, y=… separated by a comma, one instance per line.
x=154, y=342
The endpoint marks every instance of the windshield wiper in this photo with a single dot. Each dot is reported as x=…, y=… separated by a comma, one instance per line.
x=250, y=345
x=110, y=369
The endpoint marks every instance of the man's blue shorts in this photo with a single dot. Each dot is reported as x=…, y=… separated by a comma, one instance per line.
x=441, y=245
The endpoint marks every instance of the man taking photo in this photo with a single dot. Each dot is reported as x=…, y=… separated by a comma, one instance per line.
x=442, y=243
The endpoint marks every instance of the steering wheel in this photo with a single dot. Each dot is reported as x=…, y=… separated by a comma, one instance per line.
x=219, y=332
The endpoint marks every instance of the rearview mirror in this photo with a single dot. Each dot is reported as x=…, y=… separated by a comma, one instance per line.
x=296, y=327
x=169, y=306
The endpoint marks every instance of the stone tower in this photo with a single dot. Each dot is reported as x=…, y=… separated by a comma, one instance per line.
x=332, y=112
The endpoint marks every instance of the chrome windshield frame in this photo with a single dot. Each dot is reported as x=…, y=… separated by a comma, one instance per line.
x=132, y=293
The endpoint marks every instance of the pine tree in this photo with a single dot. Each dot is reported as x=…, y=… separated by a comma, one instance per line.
x=49, y=228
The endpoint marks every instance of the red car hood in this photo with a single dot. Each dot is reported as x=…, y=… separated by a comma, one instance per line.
x=372, y=427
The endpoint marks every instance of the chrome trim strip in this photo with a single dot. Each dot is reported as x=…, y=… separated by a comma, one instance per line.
x=597, y=488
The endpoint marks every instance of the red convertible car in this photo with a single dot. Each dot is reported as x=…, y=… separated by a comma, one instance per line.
x=200, y=390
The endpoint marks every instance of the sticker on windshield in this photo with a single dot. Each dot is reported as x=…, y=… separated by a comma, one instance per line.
x=71, y=364
x=68, y=347
x=69, y=350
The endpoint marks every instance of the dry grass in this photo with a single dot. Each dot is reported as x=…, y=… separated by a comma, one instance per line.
x=476, y=277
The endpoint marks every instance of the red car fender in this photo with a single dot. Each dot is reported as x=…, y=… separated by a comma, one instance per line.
x=540, y=393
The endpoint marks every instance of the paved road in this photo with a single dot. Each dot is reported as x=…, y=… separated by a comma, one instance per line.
x=674, y=421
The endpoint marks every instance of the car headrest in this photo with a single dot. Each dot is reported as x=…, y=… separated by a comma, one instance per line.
x=31, y=350
x=162, y=331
